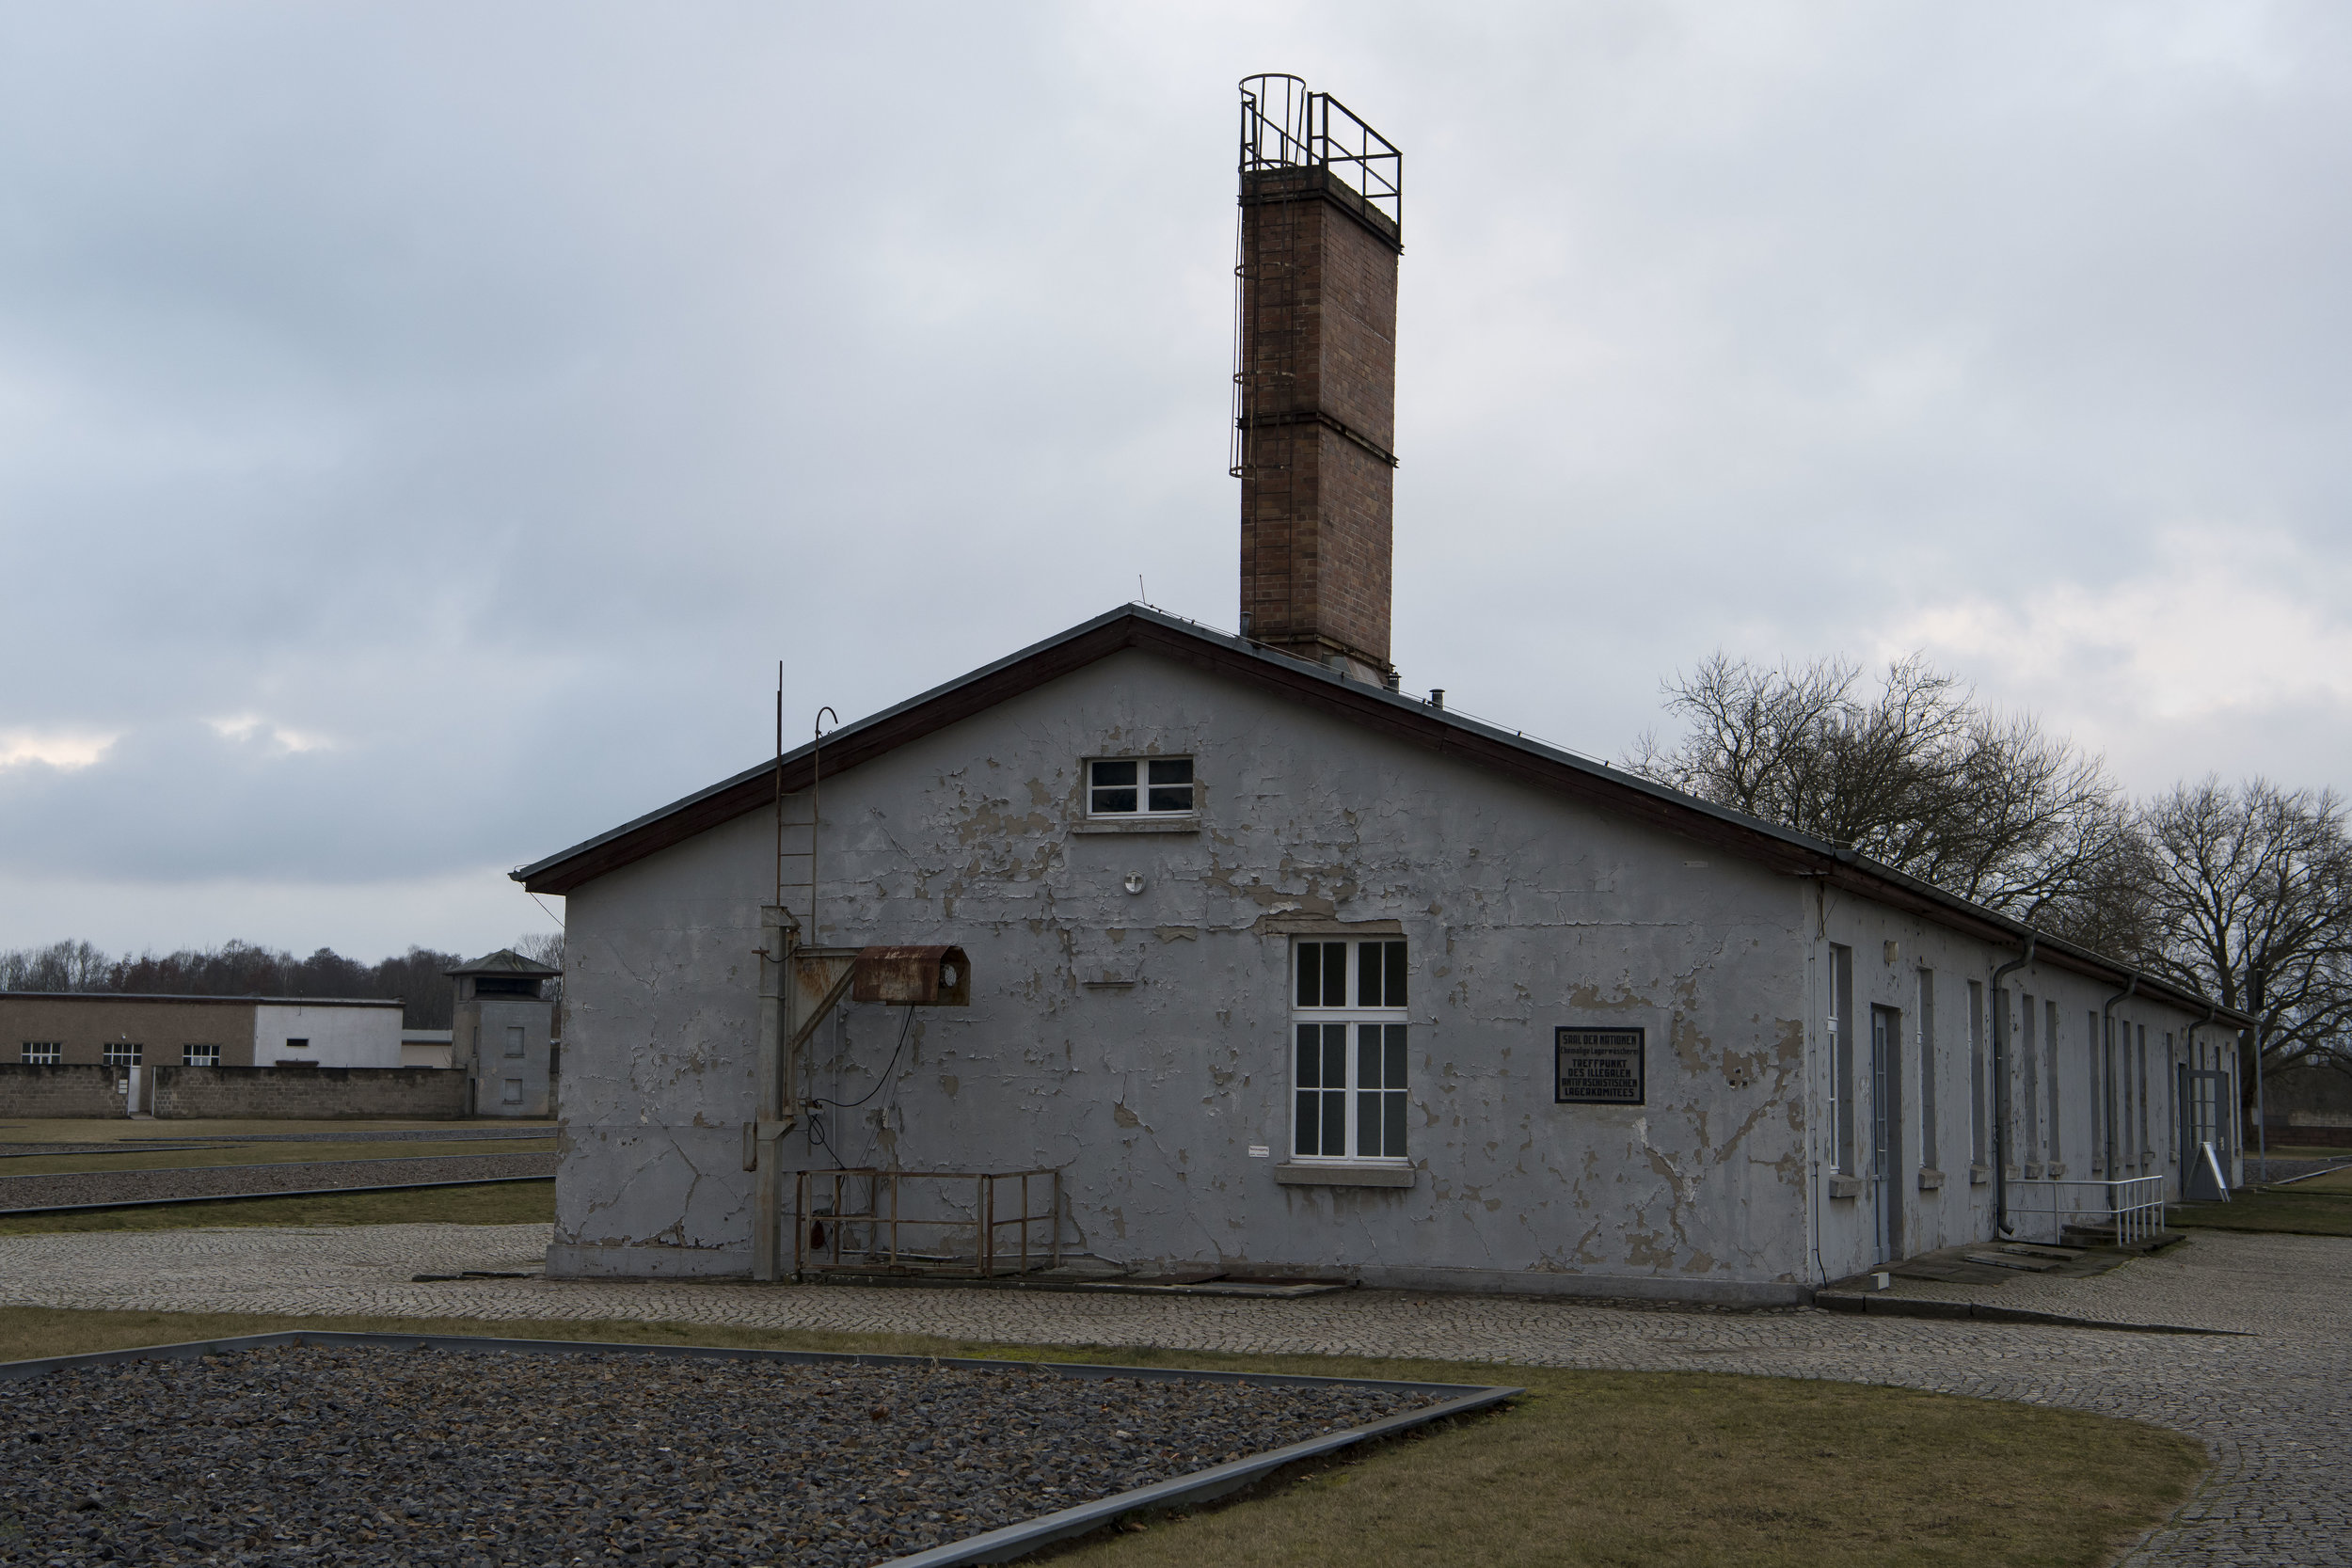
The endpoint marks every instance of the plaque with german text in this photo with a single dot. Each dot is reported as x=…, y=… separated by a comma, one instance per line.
x=1597, y=1067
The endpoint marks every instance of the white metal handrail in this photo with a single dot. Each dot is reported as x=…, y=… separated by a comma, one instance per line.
x=2134, y=1204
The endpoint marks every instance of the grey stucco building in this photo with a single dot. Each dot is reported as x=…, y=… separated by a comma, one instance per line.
x=1136, y=1007
x=1277, y=971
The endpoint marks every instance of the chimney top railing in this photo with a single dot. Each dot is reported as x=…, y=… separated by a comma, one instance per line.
x=1286, y=126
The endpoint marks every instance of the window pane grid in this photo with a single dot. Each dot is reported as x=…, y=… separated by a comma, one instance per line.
x=1140, y=786
x=1350, y=1081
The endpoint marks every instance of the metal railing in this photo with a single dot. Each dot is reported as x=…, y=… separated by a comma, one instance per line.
x=1286, y=126
x=2133, y=1207
x=926, y=1222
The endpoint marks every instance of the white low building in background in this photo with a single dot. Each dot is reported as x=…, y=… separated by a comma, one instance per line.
x=425, y=1047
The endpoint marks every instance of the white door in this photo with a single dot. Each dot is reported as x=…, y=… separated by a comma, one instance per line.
x=132, y=1101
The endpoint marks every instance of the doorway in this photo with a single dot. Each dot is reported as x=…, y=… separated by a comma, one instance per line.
x=1886, y=1154
x=2202, y=1096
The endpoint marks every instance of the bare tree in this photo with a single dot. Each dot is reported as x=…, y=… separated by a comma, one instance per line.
x=2249, y=901
x=240, y=969
x=1915, y=775
x=544, y=947
x=59, y=966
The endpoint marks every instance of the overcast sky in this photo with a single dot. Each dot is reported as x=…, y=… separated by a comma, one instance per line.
x=422, y=427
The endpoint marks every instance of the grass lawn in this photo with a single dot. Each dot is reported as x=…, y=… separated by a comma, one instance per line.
x=1592, y=1468
x=2321, y=1206
x=2303, y=1151
x=488, y=1203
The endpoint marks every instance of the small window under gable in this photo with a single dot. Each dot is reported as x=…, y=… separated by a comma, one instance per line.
x=1140, y=786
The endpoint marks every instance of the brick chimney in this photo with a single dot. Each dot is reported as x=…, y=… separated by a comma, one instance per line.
x=1314, y=380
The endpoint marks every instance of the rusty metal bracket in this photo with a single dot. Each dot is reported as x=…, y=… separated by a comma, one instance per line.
x=823, y=1010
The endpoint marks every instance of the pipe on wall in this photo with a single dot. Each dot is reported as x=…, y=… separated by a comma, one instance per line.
x=2106, y=1078
x=2000, y=1083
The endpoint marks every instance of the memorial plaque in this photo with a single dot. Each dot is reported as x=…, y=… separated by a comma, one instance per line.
x=1597, y=1067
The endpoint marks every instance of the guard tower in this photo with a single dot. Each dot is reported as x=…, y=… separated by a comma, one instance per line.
x=501, y=1034
x=1314, y=376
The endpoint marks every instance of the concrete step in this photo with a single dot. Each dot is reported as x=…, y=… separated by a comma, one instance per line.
x=2102, y=1239
x=2012, y=1261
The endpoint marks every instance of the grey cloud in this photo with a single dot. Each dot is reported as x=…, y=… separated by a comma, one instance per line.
x=501, y=394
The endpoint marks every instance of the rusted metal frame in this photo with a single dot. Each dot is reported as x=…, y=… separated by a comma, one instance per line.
x=892, y=1219
x=817, y=1015
x=984, y=1213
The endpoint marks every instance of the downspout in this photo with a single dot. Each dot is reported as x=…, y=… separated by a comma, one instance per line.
x=1814, y=980
x=2107, y=1075
x=2262, y=1116
x=2000, y=1083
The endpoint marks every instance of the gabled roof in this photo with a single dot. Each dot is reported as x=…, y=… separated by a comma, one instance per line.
x=508, y=961
x=1404, y=718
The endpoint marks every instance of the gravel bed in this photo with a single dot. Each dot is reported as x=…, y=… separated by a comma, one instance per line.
x=318, y=1454
x=148, y=1186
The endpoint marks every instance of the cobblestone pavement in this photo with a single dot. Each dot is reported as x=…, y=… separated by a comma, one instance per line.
x=2267, y=1398
x=2237, y=1282
x=21, y=1193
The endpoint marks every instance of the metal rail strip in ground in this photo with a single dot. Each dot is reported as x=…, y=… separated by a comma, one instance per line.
x=189, y=1141
x=262, y=1165
x=240, y=1198
x=996, y=1546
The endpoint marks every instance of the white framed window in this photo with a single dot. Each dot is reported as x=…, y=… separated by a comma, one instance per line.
x=1350, y=1032
x=200, y=1055
x=125, y=1055
x=43, y=1054
x=1140, y=786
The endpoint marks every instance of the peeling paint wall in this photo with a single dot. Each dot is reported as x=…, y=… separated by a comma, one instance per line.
x=1139, y=1042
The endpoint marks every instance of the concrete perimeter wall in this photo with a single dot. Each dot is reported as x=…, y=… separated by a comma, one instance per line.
x=2305, y=1105
x=67, y=1090
x=314, y=1094
x=309, y=1093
